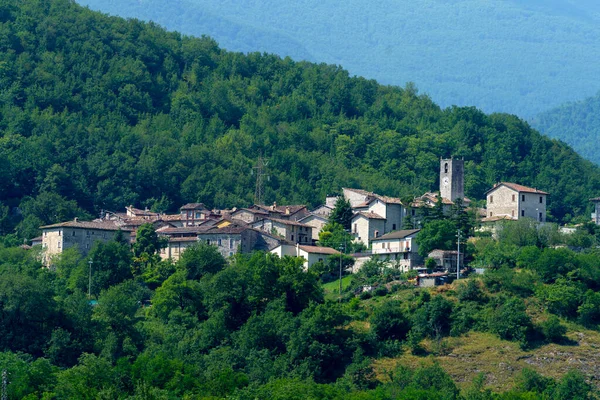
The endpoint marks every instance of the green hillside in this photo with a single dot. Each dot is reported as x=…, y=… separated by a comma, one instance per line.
x=577, y=124
x=98, y=113
x=521, y=57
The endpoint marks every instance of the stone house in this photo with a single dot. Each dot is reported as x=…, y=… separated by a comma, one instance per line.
x=516, y=201
x=375, y=214
x=291, y=212
x=292, y=231
x=596, y=213
x=323, y=210
x=81, y=234
x=446, y=259
x=248, y=215
x=367, y=226
x=398, y=247
x=317, y=222
x=311, y=254
x=238, y=239
x=194, y=214
x=176, y=246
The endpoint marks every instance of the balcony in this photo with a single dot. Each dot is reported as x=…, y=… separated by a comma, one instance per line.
x=392, y=250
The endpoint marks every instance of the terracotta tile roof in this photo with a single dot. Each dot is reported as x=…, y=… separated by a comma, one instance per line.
x=374, y=196
x=397, y=234
x=313, y=216
x=171, y=217
x=319, y=250
x=231, y=230
x=106, y=226
x=184, y=239
x=184, y=230
x=517, y=187
x=250, y=210
x=369, y=215
x=498, y=218
x=283, y=221
x=193, y=206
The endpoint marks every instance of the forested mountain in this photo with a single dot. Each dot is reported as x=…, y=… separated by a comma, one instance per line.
x=100, y=112
x=577, y=123
x=521, y=57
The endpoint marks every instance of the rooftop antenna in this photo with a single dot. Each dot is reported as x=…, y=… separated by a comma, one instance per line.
x=261, y=173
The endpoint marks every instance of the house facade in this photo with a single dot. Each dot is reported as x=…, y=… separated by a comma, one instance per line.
x=292, y=231
x=231, y=240
x=399, y=247
x=317, y=222
x=81, y=234
x=446, y=259
x=310, y=254
x=516, y=201
x=596, y=213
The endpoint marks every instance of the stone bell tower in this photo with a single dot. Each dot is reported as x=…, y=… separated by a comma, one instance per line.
x=452, y=178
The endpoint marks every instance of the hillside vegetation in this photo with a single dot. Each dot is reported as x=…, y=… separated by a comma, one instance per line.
x=521, y=57
x=577, y=124
x=100, y=112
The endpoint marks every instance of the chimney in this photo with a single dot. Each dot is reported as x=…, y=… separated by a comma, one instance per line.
x=274, y=206
x=287, y=211
x=76, y=219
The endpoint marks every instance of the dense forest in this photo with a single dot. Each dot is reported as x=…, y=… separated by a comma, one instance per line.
x=521, y=57
x=577, y=124
x=100, y=112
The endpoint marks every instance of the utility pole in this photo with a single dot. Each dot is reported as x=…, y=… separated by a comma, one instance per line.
x=458, y=235
x=261, y=172
x=90, y=280
x=342, y=249
x=4, y=385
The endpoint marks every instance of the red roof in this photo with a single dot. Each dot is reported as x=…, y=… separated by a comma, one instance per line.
x=318, y=250
x=369, y=215
x=517, y=187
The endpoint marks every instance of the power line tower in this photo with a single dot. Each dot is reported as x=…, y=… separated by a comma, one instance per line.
x=261, y=173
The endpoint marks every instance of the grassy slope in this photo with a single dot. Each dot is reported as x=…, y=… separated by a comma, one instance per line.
x=501, y=361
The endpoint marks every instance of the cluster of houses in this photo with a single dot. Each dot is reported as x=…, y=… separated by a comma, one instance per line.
x=294, y=229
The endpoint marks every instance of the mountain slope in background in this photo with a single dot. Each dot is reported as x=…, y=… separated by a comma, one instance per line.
x=100, y=112
x=522, y=57
x=577, y=124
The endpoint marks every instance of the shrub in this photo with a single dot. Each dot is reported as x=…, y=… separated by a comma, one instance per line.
x=380, y=291
x=388, y=322
x=553, y=330
x=510, y=321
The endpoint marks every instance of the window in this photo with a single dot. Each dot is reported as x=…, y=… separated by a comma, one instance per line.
x=207, y=241
x=219, y=242
x=513, y=213
x=393, y=227
x=230, y=253
x=376, y=234
x=87, y=246
x=383, y=245
x=541, y=199
x=320, y=260
x=59, y=233
x=412, y=212
x=355, y=228
x=87, y=233
x=59, y=244
x=491, y=199
x=231, y=243
x=514, y=198
x=522, y=197
x=522, y=213
x=292, y=237
x=73, y=233
x=491, y=213
x=540, y=217
x=446, y=168
x=197, y=215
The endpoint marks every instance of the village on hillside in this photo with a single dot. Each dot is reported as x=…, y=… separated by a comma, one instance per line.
x=384, y=227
